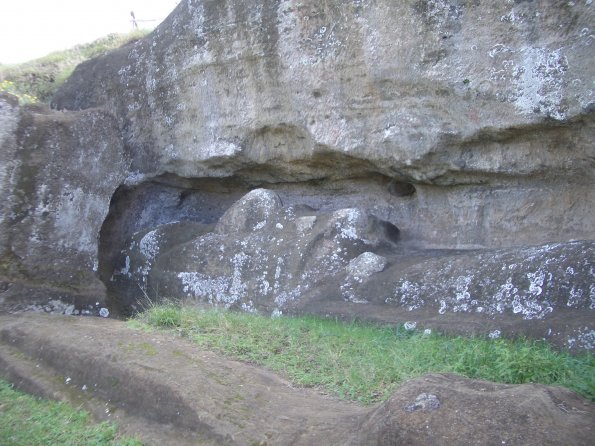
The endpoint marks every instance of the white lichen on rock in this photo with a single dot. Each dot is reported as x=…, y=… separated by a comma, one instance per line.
x=364, y=265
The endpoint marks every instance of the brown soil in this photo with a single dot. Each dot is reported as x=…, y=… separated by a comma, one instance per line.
x=169, y=392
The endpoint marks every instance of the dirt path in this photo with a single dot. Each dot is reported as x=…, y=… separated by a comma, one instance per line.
x=169, y=392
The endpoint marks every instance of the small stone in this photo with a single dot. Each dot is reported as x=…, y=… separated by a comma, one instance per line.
x=494, y=334
x=104, y=312
x=69, y=310
x=410, y=325
x=304, y=224
x=366, y=264
x=424, y=401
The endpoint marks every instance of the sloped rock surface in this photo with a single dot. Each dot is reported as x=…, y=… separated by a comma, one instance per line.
x=431, y=90
x=169, y=392
x=470, y=412
x=492, y=102
x=545, y=292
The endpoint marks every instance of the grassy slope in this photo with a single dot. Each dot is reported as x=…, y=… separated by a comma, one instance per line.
x=364, y=362
x=37, y=80
x=28, y=421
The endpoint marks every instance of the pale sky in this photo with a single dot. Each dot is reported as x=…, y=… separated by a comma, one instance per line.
x=33, y=28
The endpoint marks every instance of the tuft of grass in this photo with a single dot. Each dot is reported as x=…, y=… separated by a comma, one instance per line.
x=365, y=362
x=38, y=80
x=165, y=316
x=29, y=421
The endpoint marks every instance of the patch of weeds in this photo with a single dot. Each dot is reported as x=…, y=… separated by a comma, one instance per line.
x=165, y=316
x=7, y=86
x=27, y=421
x=38, y=80
x=143, y=347
x=365, y=362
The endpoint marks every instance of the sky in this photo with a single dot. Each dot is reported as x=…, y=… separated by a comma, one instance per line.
x=33, y=28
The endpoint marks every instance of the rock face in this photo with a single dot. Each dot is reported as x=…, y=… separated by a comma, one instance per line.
x=58, y=172
x=259, y=255
x=251, y=137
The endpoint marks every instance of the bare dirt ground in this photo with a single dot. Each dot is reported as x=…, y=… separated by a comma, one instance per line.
x=169, y=392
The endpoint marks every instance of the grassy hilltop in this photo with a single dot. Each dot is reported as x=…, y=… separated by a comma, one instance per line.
x=38, y=79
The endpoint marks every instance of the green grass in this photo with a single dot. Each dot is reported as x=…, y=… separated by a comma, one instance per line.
x=29, y=421
x=38, y=80
x=365, y=362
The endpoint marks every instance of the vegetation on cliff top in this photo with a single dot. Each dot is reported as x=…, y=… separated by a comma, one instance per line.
x=37, y=80
x=364, y=362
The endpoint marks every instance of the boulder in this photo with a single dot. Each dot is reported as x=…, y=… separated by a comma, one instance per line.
x=449, y=409
x=545, y=292
x=260, y=256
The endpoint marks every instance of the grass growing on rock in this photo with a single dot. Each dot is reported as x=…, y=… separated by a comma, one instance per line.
x=365, y=362
x=29, y=421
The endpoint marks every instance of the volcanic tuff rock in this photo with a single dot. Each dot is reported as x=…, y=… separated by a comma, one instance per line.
x=57, y=174
x=198, y=397
x=260, y=256
x=264, y=257
x=467, y=125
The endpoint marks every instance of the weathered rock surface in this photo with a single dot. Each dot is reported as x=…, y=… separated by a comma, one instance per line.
x=263, y=257
x=260, y=256
x=469, y=126
x=434, y=91
x=58, y=172
x=169, y=392
x=491, y=101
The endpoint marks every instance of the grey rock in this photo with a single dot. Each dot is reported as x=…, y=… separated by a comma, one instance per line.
x=424, y=401
x=477, y=127
x=58, y=172
x=542, y=291
x=253, y=212
x=256, y=257
x=350, y=257
x=366, y=264
x=410, y=325
x=305, y=89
